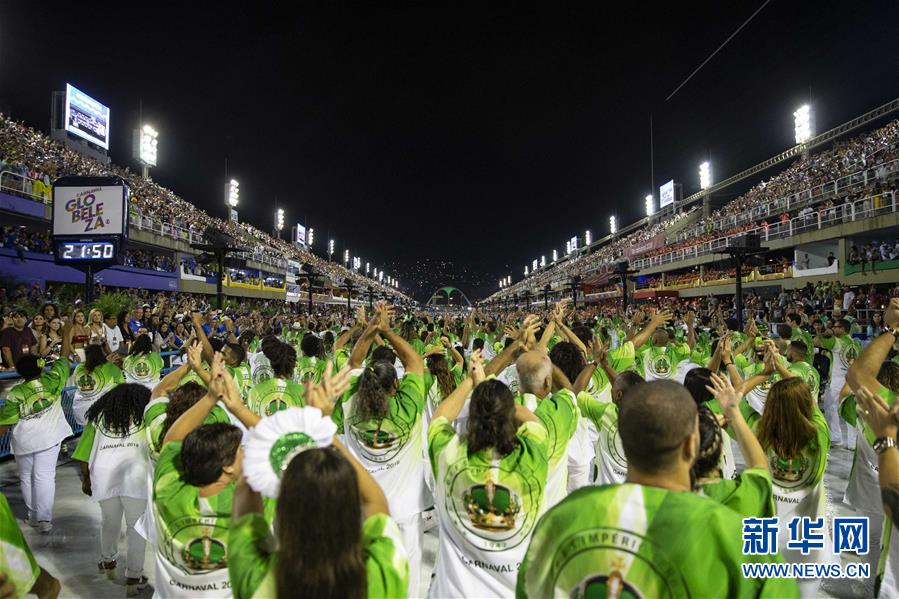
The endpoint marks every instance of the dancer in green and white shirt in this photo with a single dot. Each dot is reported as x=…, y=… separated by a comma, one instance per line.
x=19, y=571
x=93, y=378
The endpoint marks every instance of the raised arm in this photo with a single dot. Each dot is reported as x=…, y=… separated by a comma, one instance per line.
x=360, y=350
x=864, y=371
x=412, y=362
x=690, y=320
x=208, y=352
x=450, y=407
x=729, y=400
x=193, y=418
x=657, y=320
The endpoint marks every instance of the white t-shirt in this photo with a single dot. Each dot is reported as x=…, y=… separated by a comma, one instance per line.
x=114, y=337
x=119, y=464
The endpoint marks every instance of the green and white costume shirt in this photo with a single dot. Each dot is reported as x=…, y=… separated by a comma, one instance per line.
x=391, y=448
x=91, y=386
x=309, y=368
x=637, y=541
x=757, y=397
x=801, y=335
x=559, y=415
x=118, y=463
x=610, y=460
x=241, y=376
x=799, y=487
x=16, y=559
x=192, y=551
x=154, y=418
x=487, y=505
x=252, y=567
x=750, y=494
x=143, y=369
x=845, y=350
x=668, y=363
x=274, y=395
x=260, y=368
x=807, y=373
x=35, y=409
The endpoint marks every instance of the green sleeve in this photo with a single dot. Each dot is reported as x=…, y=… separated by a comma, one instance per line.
x=386, y=564
x=847, y=410
x=16, y=559
x=9, y=411
x=85, y=444
x=750, y=494
x=55, y=378
x=591, y=408
x=116, y=373
x=409, y=400
x=622, y=357
x=741, y=362
x=440, y=434
x=558, y=415
x=828, y=342
x=167, y=467
x=823, y=442
x=248, y=562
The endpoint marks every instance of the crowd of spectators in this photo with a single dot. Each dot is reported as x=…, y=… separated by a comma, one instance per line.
x=32, y=154
x=775, y=201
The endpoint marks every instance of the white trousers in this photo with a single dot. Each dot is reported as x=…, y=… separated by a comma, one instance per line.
x=111, y=512
x=37, y=473
x=840, y=431
x=413, y=538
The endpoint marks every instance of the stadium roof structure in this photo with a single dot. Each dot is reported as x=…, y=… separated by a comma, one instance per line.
x=448, y=291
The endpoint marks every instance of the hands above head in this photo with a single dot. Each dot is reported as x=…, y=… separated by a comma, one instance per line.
x=723, y=391
x=883, y=420
x=324, y=395
x=195, y=356
x=477, y=368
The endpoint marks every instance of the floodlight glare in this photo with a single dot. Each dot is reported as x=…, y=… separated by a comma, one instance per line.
x=232, y=193
x=705, y=175
x=588, y=238
x=330, y=247
x=381, y=276
x=555, y=255
x=567, y=247
x=279, y=219
x=148, y=141
x=310, y=236
x=650, y=206
x=542, y=261
x=346, y=256
x=525, y=271
x=802, y=124
x=613, y=225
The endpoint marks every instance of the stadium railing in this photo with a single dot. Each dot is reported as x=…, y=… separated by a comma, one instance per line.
x=847, y=183
x=839, y=214
x=24, y=182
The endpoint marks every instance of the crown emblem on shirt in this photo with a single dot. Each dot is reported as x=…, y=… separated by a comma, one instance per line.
x=661, y=364
x=142, y=369
x=609, y=586
x=788, y=470
x=492, y=507
x=376, y=438
x=205, y=553
x=86, y=383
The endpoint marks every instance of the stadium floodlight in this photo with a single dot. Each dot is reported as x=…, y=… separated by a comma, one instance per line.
x=588, y=238
x=542, y=261
x=567, y=247
x=232, y=192
x=346, y=257
x=380, y=276
x=525, y=271
x=802, y=124
x=705, y=175
x=555, y=255
x=330, y=247
x=613, y=225
x=148, y=141
x=367, y=269
x=279, y=219
x=310, y=236
x=650, y=205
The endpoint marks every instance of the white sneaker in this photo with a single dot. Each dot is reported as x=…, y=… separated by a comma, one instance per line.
x=44, y=526
x=30, y=521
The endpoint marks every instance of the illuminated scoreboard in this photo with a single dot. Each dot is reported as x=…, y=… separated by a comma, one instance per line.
x=90, y=221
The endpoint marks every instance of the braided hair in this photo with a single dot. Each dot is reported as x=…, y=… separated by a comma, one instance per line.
x=710, y=444
x=439, y=367
x=373, y=395
x=120, y=408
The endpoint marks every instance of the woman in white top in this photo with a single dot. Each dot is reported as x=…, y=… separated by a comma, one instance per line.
x=114, y=466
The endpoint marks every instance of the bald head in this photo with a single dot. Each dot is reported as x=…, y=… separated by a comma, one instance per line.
x=535, y=373
x=655, y=421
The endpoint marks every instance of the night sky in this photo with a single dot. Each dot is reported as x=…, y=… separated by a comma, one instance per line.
x=451, y=143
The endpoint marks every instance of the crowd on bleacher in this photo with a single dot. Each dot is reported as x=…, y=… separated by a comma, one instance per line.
x=772, y=202
x=32, y=154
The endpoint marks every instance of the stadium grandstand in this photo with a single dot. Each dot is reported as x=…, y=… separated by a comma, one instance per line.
x=163, y=225
x=820, y=206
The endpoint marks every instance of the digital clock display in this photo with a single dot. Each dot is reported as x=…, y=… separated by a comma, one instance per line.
x=86, y=251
